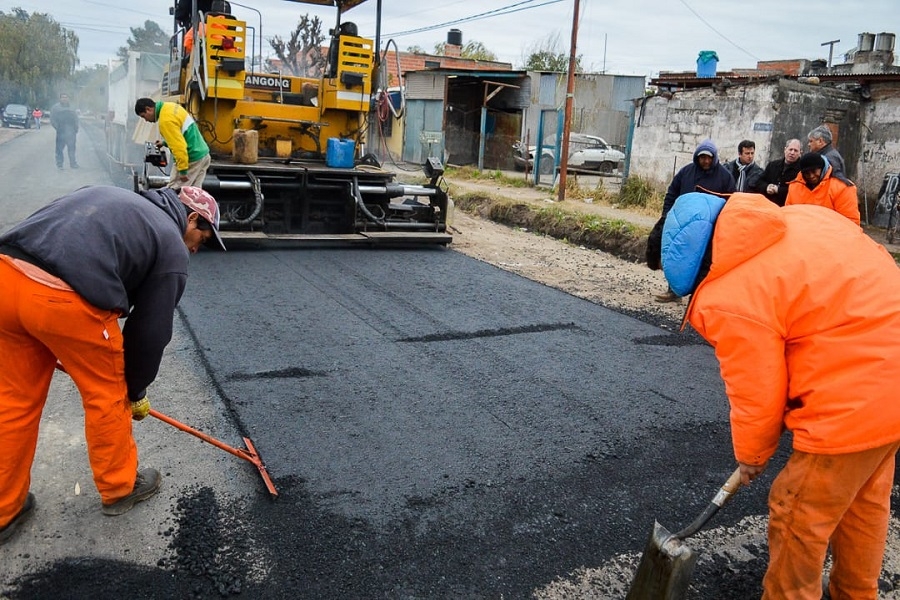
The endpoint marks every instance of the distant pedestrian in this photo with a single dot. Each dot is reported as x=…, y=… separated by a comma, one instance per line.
x=820, y=141
x=745, y=171
x=779, y=173
x=817, y=184
x=705, y=173
x=64, y=120
x=37, y=114
x=181, y=134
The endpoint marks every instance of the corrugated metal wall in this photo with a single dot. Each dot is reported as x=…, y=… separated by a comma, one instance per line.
x=423, y=136
x=600, y=106
x=425, y=86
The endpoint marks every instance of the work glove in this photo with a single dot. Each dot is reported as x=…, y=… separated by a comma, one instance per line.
x=140, y=408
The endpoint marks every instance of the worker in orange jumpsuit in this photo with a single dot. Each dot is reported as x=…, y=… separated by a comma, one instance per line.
x=817, y=184
x=189, y=37
x=68, y=273
x=803, y=310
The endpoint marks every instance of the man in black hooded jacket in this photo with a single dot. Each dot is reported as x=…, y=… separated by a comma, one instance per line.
x=704, y=174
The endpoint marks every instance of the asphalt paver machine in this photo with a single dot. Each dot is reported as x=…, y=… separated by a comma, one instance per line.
x=288, y=152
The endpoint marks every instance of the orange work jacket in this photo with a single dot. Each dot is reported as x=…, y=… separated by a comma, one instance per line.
x=803, y=310
x=831, y=193
x=201, y=27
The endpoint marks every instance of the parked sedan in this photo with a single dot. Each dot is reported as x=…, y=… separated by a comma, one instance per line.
x=586, y=152
x=18, y=115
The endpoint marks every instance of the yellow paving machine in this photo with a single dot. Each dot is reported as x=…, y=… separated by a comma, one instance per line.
x=288, y=152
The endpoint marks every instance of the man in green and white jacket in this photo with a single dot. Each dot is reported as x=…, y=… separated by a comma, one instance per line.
x=182, y=136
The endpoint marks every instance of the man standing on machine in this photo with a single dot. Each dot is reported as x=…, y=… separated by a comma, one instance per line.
x=181, y=134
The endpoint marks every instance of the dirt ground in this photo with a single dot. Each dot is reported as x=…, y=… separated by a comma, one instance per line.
x=594, y=275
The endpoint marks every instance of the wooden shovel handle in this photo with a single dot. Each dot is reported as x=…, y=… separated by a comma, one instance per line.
x=728, y=490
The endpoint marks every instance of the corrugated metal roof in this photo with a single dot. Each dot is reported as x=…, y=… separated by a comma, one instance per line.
x=480, y=74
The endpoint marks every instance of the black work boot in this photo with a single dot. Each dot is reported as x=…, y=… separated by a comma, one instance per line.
x=11, y=527
x=145, y=485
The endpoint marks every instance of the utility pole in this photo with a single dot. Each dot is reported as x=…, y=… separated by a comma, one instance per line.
x=570, y=93
x=830, y=50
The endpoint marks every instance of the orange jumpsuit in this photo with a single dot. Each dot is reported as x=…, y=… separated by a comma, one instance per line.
x=803, y=310
x=61, y=300
x=45, y=323
x=831, y=193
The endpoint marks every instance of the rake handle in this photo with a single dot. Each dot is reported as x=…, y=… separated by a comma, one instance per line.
x=206, y=438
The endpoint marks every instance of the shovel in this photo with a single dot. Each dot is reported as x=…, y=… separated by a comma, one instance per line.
x=667, y=564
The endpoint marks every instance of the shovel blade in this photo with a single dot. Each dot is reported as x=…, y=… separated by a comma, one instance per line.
x=665, y=570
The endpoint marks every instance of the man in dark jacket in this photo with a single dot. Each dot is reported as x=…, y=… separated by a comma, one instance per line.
x=745, y=171
x=819, y=140
x=779, y=173
x=65, y=121
x=68, y=273
x=705, y=173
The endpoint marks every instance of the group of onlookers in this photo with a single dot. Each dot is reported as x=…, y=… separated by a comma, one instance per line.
x=816, y=177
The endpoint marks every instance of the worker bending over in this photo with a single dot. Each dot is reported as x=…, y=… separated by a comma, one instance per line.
x=68, y=273
x=803, y=310
x=182, y=136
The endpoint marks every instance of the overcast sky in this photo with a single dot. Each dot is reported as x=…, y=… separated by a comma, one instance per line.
x=637, y=37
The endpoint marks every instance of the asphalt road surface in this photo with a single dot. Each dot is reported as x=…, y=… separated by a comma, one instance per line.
x=436, y=428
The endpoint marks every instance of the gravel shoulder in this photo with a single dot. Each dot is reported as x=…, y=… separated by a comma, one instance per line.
x=594, y=275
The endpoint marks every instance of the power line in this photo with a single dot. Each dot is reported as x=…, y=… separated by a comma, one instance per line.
x=506, y=10
x=719, y=33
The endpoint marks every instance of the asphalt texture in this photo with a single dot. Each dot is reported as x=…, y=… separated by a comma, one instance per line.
x=435, y=427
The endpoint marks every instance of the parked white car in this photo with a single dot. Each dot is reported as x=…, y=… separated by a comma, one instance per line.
x=586, y=152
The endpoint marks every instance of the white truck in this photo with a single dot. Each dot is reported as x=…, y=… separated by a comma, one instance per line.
x=137, y=76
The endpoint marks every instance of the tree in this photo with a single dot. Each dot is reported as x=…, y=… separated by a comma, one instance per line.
x=149, y=38
x=36, y=56
x=92, y=84
x=415, y=50
x=472, y=51
x=302, y=55
x=546, y=55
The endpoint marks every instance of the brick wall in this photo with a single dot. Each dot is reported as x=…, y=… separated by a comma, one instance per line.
x=785, y=67
x=417, y=62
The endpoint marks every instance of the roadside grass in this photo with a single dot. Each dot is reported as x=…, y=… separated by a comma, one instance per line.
x=638, y=192
x=621, y=238
x=614, y=236
x=635, y=193
x=472, y=173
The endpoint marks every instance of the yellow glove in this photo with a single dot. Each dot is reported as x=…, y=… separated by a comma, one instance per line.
x=140, y=408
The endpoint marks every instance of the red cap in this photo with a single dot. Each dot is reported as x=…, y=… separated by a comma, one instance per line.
x=202, y=203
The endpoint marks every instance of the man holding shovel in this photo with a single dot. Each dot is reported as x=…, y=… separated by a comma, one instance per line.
x=68, y=273
x=803, y=310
